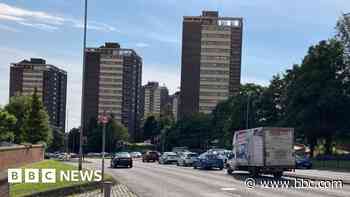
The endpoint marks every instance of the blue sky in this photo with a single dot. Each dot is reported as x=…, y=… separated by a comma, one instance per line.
x=276, y=35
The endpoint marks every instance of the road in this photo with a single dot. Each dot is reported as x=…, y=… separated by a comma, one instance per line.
x=154, y=180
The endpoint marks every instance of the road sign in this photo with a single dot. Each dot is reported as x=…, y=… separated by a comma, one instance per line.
x=103, y=118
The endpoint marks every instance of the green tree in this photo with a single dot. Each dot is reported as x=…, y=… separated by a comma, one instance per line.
x=74, y=140
x=57, y=143
x=317, y=100
x=231, y=115
x=115, y=132
x=7, y=125
x=343, y=34
x=193, y=131
x=37, y=127
x=150, y=128
x=19, y=106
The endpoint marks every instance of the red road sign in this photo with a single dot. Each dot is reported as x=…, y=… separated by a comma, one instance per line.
x=103, y=118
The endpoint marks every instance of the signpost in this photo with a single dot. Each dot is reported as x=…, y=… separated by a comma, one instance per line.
x=103, y=119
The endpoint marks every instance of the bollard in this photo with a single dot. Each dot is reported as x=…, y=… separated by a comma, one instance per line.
x=107, y=187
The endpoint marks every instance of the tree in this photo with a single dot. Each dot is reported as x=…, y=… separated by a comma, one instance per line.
x=231, y=115
x=115, y=132
x=193, y=131
x=57, y=143
x=150, y=128
x=317, y=100
x=74, y=140
x=38, y=128
x=19, y=106
x=343, y=34
x=7, y=125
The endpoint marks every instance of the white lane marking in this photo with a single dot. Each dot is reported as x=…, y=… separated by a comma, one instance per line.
x=228, y=188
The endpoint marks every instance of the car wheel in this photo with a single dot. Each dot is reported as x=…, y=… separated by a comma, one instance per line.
x=254, y=172
x=278, y=175
x=177, y=163
x=221, y=168
x=194, y=166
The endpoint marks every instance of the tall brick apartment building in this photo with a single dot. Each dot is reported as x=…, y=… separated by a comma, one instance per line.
x=113, y=84
x=50, y=82
x=211, y=61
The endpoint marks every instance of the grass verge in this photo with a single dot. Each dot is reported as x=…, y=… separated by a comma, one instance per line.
x=341, y=165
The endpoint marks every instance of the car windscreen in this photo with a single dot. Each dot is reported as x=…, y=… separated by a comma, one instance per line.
x=122, y=155
x=212, y=156
x=192, y=155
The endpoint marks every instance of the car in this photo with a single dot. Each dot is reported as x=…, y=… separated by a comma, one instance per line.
x=302, y=162
x=208, y=161
x=187, y=158
x=180, y=149
x=93, y=154
x=150, y=156
x=168, y=157
x=121, y=159
x=136, y=154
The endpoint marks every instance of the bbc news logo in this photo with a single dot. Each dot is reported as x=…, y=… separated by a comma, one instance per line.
x=18, y=175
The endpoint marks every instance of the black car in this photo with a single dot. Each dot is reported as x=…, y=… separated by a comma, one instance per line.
x=121, y=159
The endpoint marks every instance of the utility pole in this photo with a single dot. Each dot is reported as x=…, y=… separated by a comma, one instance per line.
x=104, y=120
x=82, y=96
x=66, y=134
x=247, y=118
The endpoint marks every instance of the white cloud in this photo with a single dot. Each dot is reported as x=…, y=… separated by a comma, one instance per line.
x=10, y=18
x=8, y=28
x=93, y=25
x=41, y=26
x=45, y=21
x=155, y=73
x=255, y=80
x=141, y=45
x=23, y=14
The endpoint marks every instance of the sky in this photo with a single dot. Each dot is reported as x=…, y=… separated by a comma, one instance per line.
x=276, y=35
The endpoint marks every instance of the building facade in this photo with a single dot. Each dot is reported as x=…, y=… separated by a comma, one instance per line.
x=175, y=102
x=211, y=61
x=151, y=99
x=113, y=84
x=50, y=82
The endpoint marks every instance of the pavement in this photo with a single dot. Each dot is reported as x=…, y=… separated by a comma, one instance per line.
x=321, y=175
x=119, y=190
x=154, y=180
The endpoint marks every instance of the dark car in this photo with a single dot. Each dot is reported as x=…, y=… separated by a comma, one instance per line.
x=302, y=162
x=150, y=156
x=209, y=161
x=121, y=159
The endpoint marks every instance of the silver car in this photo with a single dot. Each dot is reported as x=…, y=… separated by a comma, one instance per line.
x=168, y=157
x=187, y=159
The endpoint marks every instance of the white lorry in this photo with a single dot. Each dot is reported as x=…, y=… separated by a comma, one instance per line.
x=267, y=150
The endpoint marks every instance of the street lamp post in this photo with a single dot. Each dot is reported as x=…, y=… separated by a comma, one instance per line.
x=82, y=96
x=247, y=118
x=104, y=120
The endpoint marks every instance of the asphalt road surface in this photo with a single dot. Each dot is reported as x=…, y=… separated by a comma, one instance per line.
x=154, y=180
